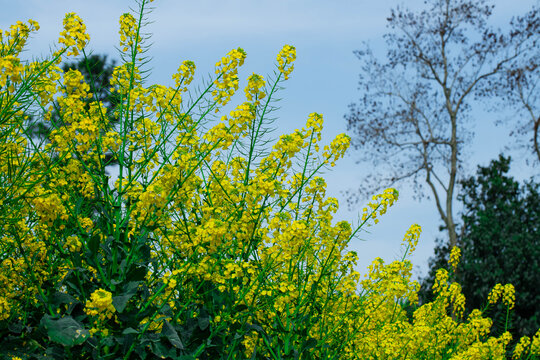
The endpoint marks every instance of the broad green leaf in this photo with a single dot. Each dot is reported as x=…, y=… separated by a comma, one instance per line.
x=171, y=334
x=65, y=331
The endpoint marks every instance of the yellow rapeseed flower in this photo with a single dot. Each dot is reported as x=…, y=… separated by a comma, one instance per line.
x=521, y=347
x=285, y=60
x=100, y=305
x=254, y=88
x=74, y=36
x=411, y=237
x=509, y=296
x=455, y=254
x=495, y=294
x=227, y=69
x=129, y=33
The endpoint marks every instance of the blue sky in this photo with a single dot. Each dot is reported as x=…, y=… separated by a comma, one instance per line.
x=325, y=79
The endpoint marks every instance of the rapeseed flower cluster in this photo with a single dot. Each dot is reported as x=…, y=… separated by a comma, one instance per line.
x=455, y=254
x=5, y=309
x=74, y=36
x=378, y=208
x=73, y=244
x=100, y=305
x=254, y=88
x=129, y=33
x=11, y=70
x=12, y=42
x=227, y=70
x=184, y=75
x=506, y=293
x=285, y=59
x=411, y=237
x=123, y=76
x=214, y=248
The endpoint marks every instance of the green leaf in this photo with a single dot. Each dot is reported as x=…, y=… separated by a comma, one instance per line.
x=129, y=330
x=255, y=327
x=131, y=287
x=120, y=302
x=65, y=331
x=311, y=343
x=170, y=333
x=62, y=298
x=204, y=322
x=241, y=307
x=162, y=351
x=188, y=328
x=136, y=273
x=93, y=245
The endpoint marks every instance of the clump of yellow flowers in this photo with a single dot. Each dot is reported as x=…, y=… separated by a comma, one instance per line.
x=209, y=244
x=101, y=308
x=100, y=305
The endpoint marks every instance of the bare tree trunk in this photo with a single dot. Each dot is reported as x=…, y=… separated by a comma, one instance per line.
x=452, y=182
x=535, y=139
x=452, y=234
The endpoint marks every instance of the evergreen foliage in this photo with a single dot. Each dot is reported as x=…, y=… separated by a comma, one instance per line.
x=500, y=243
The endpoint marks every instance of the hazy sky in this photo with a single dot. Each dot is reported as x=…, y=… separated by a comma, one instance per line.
x=325, y=78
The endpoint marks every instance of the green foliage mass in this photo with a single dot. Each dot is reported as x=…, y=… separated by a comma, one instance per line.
x=500, y=243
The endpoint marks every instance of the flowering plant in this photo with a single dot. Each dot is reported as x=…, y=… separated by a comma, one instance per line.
x=208, y=245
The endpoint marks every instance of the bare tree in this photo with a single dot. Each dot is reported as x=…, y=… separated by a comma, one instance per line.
x=519, y=87
x=413, y=118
